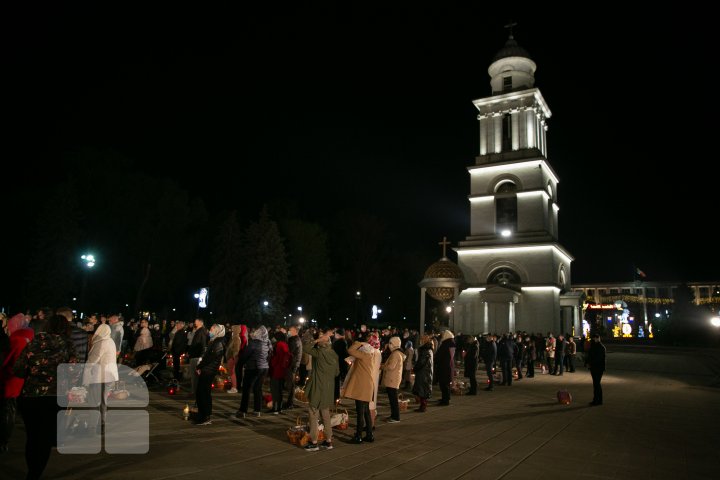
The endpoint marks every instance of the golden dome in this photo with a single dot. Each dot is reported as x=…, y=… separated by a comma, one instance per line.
x=443, y=269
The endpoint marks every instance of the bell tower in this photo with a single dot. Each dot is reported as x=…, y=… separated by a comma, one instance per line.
x=512, y=263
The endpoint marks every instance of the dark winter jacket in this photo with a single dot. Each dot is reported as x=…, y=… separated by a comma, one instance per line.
x=258, y=352
x=212, y=358
x=472, y=357
x=423, y=372
x=446, y=360
x=596, y=357
x=198, y=343
x=295, y=345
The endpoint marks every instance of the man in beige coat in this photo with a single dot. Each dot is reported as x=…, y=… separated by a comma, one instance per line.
x=361, y=384
x=392, y=376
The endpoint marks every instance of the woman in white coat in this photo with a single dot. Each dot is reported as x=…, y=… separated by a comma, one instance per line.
x=101, y=367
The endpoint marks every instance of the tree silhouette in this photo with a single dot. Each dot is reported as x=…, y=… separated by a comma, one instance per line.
x=54, y=264
x=226, y=270
x=309, y=262
x=264, y=271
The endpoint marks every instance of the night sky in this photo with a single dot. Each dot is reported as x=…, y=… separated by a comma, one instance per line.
x=349, y=108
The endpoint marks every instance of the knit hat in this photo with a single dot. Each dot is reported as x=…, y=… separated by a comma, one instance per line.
x=394, y=343
x=445, y=335
x=374, y=341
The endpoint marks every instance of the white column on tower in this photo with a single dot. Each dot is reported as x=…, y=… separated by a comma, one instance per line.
x=530, y=127
x=522, y=129
x=486, y=328
x=497, y=128
x=511, y=319
x=483, y=136
x=515, y=133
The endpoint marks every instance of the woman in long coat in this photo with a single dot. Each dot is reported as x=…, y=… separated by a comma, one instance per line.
x=422, y=388
x=446, y=365
x=361, y=385
x=320, y=388
x=100, y=368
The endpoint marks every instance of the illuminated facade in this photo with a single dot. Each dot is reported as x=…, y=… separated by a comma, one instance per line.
x=516, y=273
x=640, y=303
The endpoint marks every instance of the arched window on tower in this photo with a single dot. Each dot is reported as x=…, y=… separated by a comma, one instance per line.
x=506, y=208
x=504, y=276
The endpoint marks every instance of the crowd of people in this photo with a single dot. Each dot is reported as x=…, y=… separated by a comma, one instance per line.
x=326, y=364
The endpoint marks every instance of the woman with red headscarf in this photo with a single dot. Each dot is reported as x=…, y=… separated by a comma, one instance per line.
x=10, y=385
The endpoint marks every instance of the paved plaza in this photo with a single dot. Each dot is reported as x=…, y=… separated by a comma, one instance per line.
x=660, y=420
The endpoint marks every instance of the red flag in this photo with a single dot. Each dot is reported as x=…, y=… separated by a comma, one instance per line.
x=640, y=272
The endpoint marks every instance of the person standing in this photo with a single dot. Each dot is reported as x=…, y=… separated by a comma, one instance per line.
x=361, y=386
x=100, y=369
x=446, y=365
x=295, y=346
x=570, y=356
x=320, y=389
x=409, y=362
x=596, y=362
x=255, y=358
x=489, y=357
x=38, y=403
x=392, y=376
x=11, y=385
x=231, y=355
x=207, y=368
x=531, y=356
x=116, y=332
x=340, y=347
x=198, y=343
x=279, y=365
x=178, y=346
x=422, y=388
x=472, y=357
x=560, y=345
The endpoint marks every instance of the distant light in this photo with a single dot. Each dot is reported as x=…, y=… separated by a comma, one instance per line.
x=266, y=303
x=657, y=315
x=448, y=309
x=197, y=295
x=127, y=305
x=74, y=299
x=173, y=309
x=89, y=260
x=506, y=233
x=715, y=321
x=374, y=312
x=301, y=320
x=203, y=298
x=379, y=310
x=300, y=309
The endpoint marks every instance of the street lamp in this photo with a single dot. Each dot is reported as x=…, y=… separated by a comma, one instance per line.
x=715, y=322
x=89, y=262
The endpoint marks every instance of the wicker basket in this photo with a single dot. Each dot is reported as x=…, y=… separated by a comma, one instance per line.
x=119, y=394
x=403, y=402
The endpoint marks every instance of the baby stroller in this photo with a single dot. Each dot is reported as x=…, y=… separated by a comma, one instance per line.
x=150, y=369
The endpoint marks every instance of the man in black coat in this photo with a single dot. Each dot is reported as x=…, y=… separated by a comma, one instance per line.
x=445, y=365
x=178, y=346
x=596, y=361
x=489, y=357
x=340, y=347
x=295, y=346
x=207, y=368
x=472, y=355
x=196, y=349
